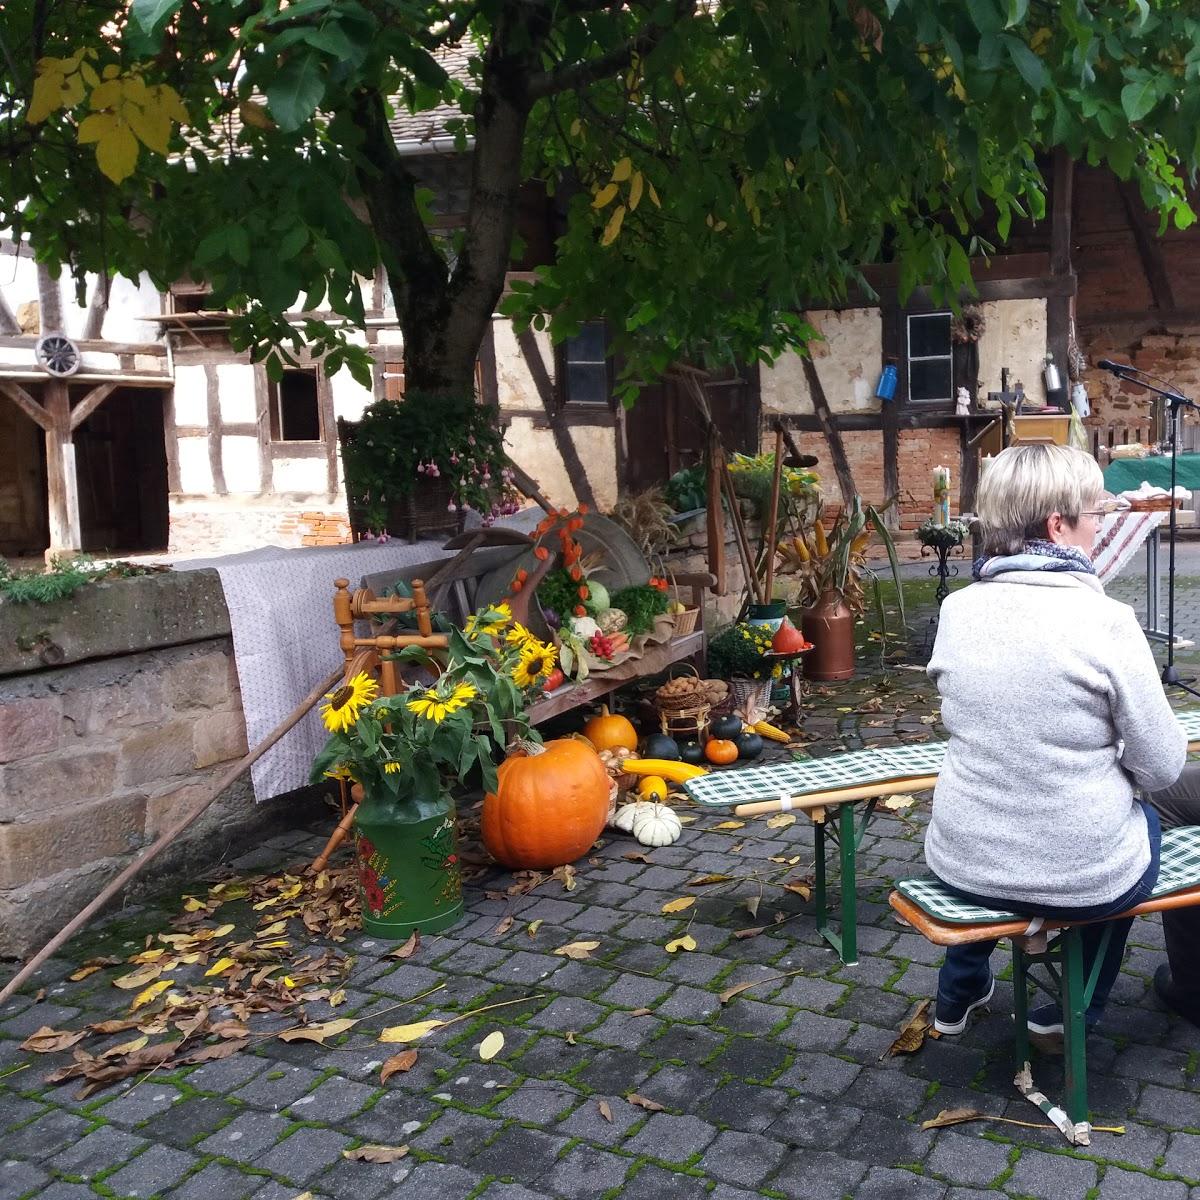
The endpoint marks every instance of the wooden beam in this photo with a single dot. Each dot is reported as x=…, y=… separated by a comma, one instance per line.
x=715, y=514
x=90, y=403
x=1061, y=207
x=26, y=403
x=895, y=347
x=49, y=301
x=837, y=451
x=27, y=341
x=1149, y=251
x=62, y=492
x=921, y=299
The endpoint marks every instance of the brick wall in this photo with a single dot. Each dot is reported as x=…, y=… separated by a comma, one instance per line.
x=97, y=759
x=209, y=526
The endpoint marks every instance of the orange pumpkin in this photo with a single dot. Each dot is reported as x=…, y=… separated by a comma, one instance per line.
x=550, y=804
x=720, y=751
x=610, y=732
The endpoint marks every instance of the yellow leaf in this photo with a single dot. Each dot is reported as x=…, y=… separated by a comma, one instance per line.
x=781, y=821
x=409, y=1033
x=127, y=1047
x=533, y=927
x=106, y=95
x=687, y=942
x=674, y=906
x=679, y=76
x=191, y=904
x=730, y=825
x=622, y=170
x=653, y=195
x=800, y=888
x=899, y=803
x=133, y=87
x=318, y=1033
x=137, y=979
x=47, y=94
x=151, y=125
x=155, y=989
x=222, y=964
x=635, y=190
x=605, y=195
x=167, y=98
x=577, y=949
x=491, y=1045
x=613, y=228
x=706, y=880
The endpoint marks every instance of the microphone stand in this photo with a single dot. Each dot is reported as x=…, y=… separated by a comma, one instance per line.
x=1175, y=402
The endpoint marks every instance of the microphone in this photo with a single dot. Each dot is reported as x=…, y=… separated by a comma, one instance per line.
x=1106, y=364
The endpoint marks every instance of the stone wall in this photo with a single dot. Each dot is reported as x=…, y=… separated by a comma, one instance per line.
x=98, y=756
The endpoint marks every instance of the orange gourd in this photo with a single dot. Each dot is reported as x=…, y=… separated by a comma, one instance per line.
x=550, y=804
x=720, y=751
x=610, y=732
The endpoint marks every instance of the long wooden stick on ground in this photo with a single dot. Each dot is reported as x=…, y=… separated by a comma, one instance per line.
x=165, y=839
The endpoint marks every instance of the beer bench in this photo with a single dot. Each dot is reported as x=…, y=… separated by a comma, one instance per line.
x=829, y=791
x=947, y=920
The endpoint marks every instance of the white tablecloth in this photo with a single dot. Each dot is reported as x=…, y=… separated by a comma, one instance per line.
x=285, y=640
x=1121, y=536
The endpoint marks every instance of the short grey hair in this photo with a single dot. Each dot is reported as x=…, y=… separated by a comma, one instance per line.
x=1023, y=485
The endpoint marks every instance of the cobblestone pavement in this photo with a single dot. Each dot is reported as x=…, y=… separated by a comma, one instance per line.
x=784, y=1090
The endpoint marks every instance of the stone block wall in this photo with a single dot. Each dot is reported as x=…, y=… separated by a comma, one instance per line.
x=98, y=757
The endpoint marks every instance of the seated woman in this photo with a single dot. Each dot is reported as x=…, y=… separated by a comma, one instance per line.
x=1056, y=714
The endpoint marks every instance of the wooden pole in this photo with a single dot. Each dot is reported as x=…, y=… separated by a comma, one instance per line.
x=165, y=839
x=61, y=485
x=739, y=530
x=773, y=528
x=891, y=787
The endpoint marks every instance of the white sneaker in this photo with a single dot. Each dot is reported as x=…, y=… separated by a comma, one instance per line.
x=945, y=1025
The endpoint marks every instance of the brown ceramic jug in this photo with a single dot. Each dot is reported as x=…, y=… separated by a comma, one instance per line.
x=829, y=625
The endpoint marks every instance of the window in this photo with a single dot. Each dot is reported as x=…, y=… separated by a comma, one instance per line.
x=585, y=366
x=188, y=296
x=295, y=408
x=930, y=359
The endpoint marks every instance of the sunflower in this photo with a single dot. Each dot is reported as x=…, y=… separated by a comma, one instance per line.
x=536, y=663
x=490, y=622
x=519, y=636
x=436, y=706
x=391, y=768
x=347, y=702
x=340, y=771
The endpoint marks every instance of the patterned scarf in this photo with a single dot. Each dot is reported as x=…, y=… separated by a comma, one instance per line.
x=1036, y=555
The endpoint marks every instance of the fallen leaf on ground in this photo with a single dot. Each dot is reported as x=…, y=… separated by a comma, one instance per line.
x=409, y=1033
x=570, y=1037
x=781, y=821
x=912, y=1036
x=222, y=964
x=751, y=904
x=729, y=825
x=639, y=857
x=899, y=803
x=605, y=1111
x=398, y=1064
x=674, y=906
x=639, y=1012
x=376, y=1154
x=47, y=1040
x=705, y=880
x=506, y=923
x=318, y=1033
x=642, y=1102
x=215, y=1052
x=491, y=1045
x=91, y=967
x=753, y=931
x=802, y=889
x=577, y=949
x=533, y=927
x=112, y=1026
x=687, y=942
x=738, y=988
x=959, y=1116
x=788, y=862
x=566, y=876
x=138, y=979
x=153, y=991
x=409, y=948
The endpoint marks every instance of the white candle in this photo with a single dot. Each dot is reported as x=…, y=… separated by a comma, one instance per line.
x=941, y=495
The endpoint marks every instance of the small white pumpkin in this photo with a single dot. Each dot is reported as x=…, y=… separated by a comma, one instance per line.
x=625, y=816
x=612, y=620
x=655, y=824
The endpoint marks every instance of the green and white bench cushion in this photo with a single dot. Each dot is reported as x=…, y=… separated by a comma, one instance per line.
x=1179, y=868
x=722, y=789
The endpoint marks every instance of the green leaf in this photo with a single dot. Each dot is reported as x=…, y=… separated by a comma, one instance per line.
x=985, y=15
x=293, y=95
x=1016, y=12
x=1138, y=98
x=1121, y=155
x=151, y=14
x=1028, y=63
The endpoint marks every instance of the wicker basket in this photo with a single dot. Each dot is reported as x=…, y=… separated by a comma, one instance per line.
x=751, y=697
x=686, y=713
x=686, y=621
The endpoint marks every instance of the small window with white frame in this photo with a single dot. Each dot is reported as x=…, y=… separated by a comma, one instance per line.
x=295, y=403
x=930, y=358
x=584, y=365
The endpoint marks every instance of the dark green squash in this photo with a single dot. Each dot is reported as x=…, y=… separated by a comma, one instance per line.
x=692, y=752
x=659, y=745
x=749, y=745
x=726, y=728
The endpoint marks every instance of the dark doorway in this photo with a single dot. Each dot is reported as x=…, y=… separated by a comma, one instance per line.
x=121, y=465
x=24, y=524
x=664, y=431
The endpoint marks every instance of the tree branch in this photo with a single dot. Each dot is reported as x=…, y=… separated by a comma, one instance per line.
x=579, y=75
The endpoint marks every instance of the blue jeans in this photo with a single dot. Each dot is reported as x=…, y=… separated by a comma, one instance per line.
x=965, y=973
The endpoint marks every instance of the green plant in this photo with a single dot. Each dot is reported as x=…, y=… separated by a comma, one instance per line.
x=409, y=748
x=687, y=489
x=397, y=443
x=753, y=477
x=737, y=653
x=641, y=604
x=558, y=593
x=63, y=578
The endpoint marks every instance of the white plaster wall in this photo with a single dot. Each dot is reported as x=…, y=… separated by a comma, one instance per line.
x=535, y=451
x=191, y=396
x=847, y=358
x=1014, y=337
x=195, y=474
x=239, y=461
x=516, y=381
x=235, y=392
x=128, y=300
x=303, y=476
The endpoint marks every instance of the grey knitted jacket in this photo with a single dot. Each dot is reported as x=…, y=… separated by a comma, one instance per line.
x=1055, y=712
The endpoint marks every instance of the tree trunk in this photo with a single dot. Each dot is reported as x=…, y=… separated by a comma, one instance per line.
x=49, y=301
